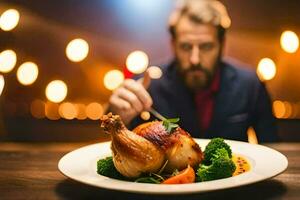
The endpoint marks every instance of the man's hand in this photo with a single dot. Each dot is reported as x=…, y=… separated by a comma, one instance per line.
x=131, y=98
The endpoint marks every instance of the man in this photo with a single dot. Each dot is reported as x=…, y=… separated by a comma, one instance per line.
x=212, y=98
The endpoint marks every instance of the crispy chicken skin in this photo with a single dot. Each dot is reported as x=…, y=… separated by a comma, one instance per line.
x=149, y=146
x=179, y=147
x=132, y=154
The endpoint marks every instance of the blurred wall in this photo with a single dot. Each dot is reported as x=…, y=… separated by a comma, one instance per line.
x=113, y=29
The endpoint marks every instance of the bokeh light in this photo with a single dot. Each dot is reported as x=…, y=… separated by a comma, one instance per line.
x=252, y=137
x=2, y=84
x=94, y=111
x=67, y=110
x=51, y=111
x=81, y=114
x=56, y=91
x=8, y=59
x=288, y=109
x=155, y=72
x=77, y=50
x=9, y=19
x=295, y=111
x=289, y=41
x=113, y=79
x=145, y=115
x=137, y=62
x=27, y=73
x=279, y=109
x=37, y=109
x=266, y=69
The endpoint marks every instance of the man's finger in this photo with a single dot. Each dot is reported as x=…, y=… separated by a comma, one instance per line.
x=139, y=90
x=146, y=80
x=130, y=97
x=119, y=103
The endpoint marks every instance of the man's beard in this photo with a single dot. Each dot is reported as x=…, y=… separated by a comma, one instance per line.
x=196, y=77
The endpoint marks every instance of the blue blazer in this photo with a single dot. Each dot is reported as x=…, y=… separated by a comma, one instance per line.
x=241, y=102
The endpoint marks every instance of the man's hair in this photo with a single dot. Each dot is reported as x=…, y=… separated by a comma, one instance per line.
x=201, y=12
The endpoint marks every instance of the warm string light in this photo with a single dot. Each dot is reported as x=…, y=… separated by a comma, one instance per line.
x=8, y=60
x=81, y=114
x=9, y=19
x=27, y=73
x=155, y=72
x=37, y=109
x=113, y=79
x=2, y=84
x=145, y=115
x=289, y=41
x=56, y=91
x=77, y=50
x=286, y=110
x=137, y=62
x=94, y=111
x=278, y=109
x=51, y=111
x=66, y=110
x=266, y=69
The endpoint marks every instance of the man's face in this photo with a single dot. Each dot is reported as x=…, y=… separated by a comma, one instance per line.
x=197, y=49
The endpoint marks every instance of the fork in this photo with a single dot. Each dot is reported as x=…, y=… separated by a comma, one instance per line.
x=156, y=114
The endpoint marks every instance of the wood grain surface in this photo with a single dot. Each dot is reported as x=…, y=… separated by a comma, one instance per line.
x=29, y=171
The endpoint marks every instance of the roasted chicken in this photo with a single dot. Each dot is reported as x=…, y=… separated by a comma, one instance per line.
x=149, y=147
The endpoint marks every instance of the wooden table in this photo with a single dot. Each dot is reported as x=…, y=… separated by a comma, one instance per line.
x=29, y=171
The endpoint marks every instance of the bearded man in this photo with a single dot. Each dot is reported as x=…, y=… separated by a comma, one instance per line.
x=212, y=98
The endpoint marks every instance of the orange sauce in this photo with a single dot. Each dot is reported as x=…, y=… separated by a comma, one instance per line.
x=241, y=163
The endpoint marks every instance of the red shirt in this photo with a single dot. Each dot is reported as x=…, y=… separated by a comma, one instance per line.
x=205, y=101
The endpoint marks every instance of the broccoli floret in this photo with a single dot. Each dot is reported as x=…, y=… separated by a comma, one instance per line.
x=107, y=168
x=220, y=153
x=212, y=147
x=221, y=167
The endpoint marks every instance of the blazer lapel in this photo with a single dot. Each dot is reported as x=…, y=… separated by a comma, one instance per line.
x=223, y=102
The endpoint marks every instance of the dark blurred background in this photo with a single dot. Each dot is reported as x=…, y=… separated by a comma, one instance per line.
x=113, y=29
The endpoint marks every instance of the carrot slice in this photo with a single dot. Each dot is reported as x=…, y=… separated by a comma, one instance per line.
x=185, y=176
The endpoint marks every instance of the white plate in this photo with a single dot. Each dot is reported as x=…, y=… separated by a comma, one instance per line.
x=81, y=165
